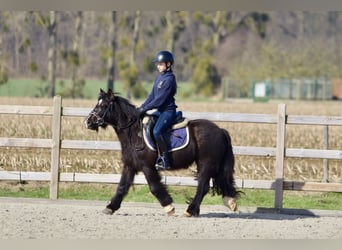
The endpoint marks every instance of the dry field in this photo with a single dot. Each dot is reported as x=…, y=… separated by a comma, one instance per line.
x=243, y=134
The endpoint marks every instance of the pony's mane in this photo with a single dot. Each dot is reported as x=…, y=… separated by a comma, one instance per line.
x=124, y=102
x=127, y=107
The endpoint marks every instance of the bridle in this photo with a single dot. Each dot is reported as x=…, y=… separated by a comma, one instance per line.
x=100, y=119
x=100, y=122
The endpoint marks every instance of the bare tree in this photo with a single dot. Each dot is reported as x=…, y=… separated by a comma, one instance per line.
x=50, y=24
x=136, y=31
x=3, y=68
x=113, y=42
x=75, y=55
x=175, y=24
x=116, y=40
x=128, y=68
x=52, y=30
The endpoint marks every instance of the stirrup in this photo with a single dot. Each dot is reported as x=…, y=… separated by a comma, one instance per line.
x=161, y=164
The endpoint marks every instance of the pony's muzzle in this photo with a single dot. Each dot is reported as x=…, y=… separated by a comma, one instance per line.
x=86, y=123
x=91, y=122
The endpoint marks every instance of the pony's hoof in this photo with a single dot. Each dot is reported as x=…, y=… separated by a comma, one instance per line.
x=107, y=211
x=170, y=210
x=187, y=214
x=231, y=203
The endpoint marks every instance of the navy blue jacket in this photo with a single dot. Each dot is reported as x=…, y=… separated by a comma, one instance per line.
x=162, y=94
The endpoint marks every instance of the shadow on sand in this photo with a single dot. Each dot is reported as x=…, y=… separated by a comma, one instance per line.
x=272, y=214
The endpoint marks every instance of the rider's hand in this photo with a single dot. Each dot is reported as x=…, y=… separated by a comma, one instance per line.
x=141, y=112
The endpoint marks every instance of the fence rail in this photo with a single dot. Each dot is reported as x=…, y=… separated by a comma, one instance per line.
x=280, y=152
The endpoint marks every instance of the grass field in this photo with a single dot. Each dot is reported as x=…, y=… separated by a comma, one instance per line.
x=141, y=193
x=243, y=134
x=34, y=88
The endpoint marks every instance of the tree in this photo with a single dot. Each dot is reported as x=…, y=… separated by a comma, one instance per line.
x=135, y=40
x=50, y=23
x=113, y=44
x=333, y=31
x=74, y=60
x=3, y=29
x=174, y=21
x=222, y=24
x=212, y=39
x=205, y=72
x=219, y=25
x=128, y=68
x=52, y=30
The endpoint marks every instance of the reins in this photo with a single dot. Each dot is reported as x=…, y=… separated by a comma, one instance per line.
x=100, y=119
x=130, y=123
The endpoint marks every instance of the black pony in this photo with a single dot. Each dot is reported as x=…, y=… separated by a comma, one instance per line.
x=209, y=146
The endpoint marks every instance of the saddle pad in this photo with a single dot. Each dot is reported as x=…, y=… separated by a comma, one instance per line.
x=179, y=139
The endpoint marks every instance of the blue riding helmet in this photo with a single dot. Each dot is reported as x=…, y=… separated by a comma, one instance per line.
x=164, y=56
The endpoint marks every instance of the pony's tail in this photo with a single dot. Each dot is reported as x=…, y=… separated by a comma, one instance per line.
x=224, y=182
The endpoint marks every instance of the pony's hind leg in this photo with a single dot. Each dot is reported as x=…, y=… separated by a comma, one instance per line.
x=229, y=193
x=224, y=185
x=223, y=180
x=226, y=182
x=231, y=203
x=202, y=189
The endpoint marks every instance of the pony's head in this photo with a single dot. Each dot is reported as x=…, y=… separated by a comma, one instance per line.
x=111, y=110
x=100, y=115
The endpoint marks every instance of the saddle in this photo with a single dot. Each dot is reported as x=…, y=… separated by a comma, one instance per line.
x=177, y=137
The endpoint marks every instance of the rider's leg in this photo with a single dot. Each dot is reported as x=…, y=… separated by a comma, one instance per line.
x=165, y=160
x=163, y=123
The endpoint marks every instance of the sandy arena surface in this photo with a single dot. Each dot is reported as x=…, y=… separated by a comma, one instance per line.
x=22, y=218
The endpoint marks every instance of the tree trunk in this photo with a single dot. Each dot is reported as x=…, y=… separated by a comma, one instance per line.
x=18, y=31
x=3, y=61
x=52, y=53
x=135, y=36
x=216, y=29
x=170, y=29
x=300, y=17
x=133, y=75
x=76, y=52
x=111, y=60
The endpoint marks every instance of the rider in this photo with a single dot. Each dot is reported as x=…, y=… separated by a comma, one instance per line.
x=162, y=98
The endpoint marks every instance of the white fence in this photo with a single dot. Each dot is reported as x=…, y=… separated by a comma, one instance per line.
x=281, y=119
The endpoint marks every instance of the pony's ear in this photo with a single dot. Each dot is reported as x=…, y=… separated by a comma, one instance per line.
x=101, y=91
x=111, y=94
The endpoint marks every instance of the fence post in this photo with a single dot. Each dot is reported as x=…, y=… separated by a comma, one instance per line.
x=326, y=161
x=280, y=156
x=56, y=146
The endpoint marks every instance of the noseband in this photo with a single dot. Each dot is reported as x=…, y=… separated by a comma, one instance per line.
x=99, y=120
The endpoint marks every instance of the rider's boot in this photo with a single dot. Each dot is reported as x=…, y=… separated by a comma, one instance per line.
x=164, y=161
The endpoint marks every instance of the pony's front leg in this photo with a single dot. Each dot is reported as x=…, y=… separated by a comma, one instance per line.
x=126, y=180
x=158, y=189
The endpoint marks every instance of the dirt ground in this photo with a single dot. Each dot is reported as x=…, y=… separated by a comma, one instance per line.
x=22, y=218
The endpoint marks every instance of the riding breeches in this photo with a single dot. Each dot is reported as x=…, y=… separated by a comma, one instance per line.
x=164, y=122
